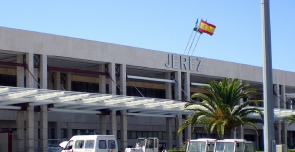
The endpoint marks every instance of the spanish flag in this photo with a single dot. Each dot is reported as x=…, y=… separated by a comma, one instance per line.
x=205, y=27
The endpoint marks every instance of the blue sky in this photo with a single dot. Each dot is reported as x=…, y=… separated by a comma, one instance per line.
x=164, y=25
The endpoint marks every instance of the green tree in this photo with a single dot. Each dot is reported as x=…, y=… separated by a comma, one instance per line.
x=290, y=119
x=220, y=109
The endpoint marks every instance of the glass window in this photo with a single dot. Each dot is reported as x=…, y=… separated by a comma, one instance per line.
x=89, y=144
x=150, y=134
x=155, y=134
x=160, y=135
x=111, y=144
x=133, y=135
x=63, y=133
x=79, y=144
x=150, y=143
x=69, y=145
x=144, y=134
x=139, y=134
x=102, y=144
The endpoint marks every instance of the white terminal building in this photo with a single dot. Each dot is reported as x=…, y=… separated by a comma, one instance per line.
x=54, y=87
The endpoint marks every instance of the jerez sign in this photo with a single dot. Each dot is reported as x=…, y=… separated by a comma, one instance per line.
x=184, y=62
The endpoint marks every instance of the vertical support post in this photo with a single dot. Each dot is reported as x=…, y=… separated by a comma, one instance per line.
x=30, y=70
x=168, y=133
x=168, y=91
x=187, y=86
x=124, y=123
x=69, y=130
x=177, y=87
x=20, y=73
x=267, y=79
x=112, y=85
x=20, y=132
x=69, y=82
x=240, y=129
x=102, y=125
x=43, y=71
x=284, y=124
x=36, y=127
x=30, y=132
x=123, y=79
x=179, y=136
x=278, y=125
x=188, y=132
x=113, y=121
x=57, y=85
x=102, y=79
x=43, y=129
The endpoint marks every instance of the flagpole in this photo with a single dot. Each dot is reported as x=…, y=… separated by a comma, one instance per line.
x=269, y=141
x=188, y=42
x=191, y=44
x=196, y=43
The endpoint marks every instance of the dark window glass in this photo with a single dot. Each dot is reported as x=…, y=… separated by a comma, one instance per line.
x=102, y=144
x=111, y=144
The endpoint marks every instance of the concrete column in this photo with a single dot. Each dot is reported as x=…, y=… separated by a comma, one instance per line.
x=20, y=73
x=102, y=125
x=240, y=129
x=20, y=134
x=57, y=81
x=124, y=129
x=278, y=134
x=123, y=80
x=102, y=79
x=178, y=142
x=177, y=87
x=43, y=129
x=284, y=124
x=36, y=76
x=112, y=78
x=43, y=71
x=168, y=91
x=113, y=123
x=30, y=129
x=169, y=133
x=69, y=130
x=69, y=82
x=187, y=85
x=276, y=97
x=36, y=127
x=30, y=70
x=188, y=132
x=57, y=130
x=234, y=134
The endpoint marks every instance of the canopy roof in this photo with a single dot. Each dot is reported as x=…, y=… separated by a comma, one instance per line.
x=14, y=98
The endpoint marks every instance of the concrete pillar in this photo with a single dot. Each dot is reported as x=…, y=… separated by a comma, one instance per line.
x=30, y=70
x=20, y=134
x=284, y=124
x=69, y=82
x=102, y=125
x=168, y=91
x=187, y=85
x=178, y=142
x=124, y=129
x=57, y=81
x=233, y=134
x=278, y=126
x=43, y=71
x=123, y=79
x=112, y=78
x=113, y=123
x=240, y=129
x=57, y=130
x=188, y=132
x=69, y=130
x=36, y=127
x=30, y=129
x=20, y=73
x=169, y=133
x=43, y=129
x=102, y=79
x=278, y=134
x=177, y=87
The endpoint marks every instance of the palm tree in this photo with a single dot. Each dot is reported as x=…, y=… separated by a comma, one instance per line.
x=220, y=110
x=290, y=119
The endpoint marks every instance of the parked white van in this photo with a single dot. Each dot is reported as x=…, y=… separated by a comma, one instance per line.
x=92, y=143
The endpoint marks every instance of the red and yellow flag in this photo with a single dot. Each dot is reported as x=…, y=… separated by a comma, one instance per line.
x=205, y=27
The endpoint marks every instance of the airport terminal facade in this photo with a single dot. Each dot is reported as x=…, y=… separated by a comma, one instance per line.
x=54, y=87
